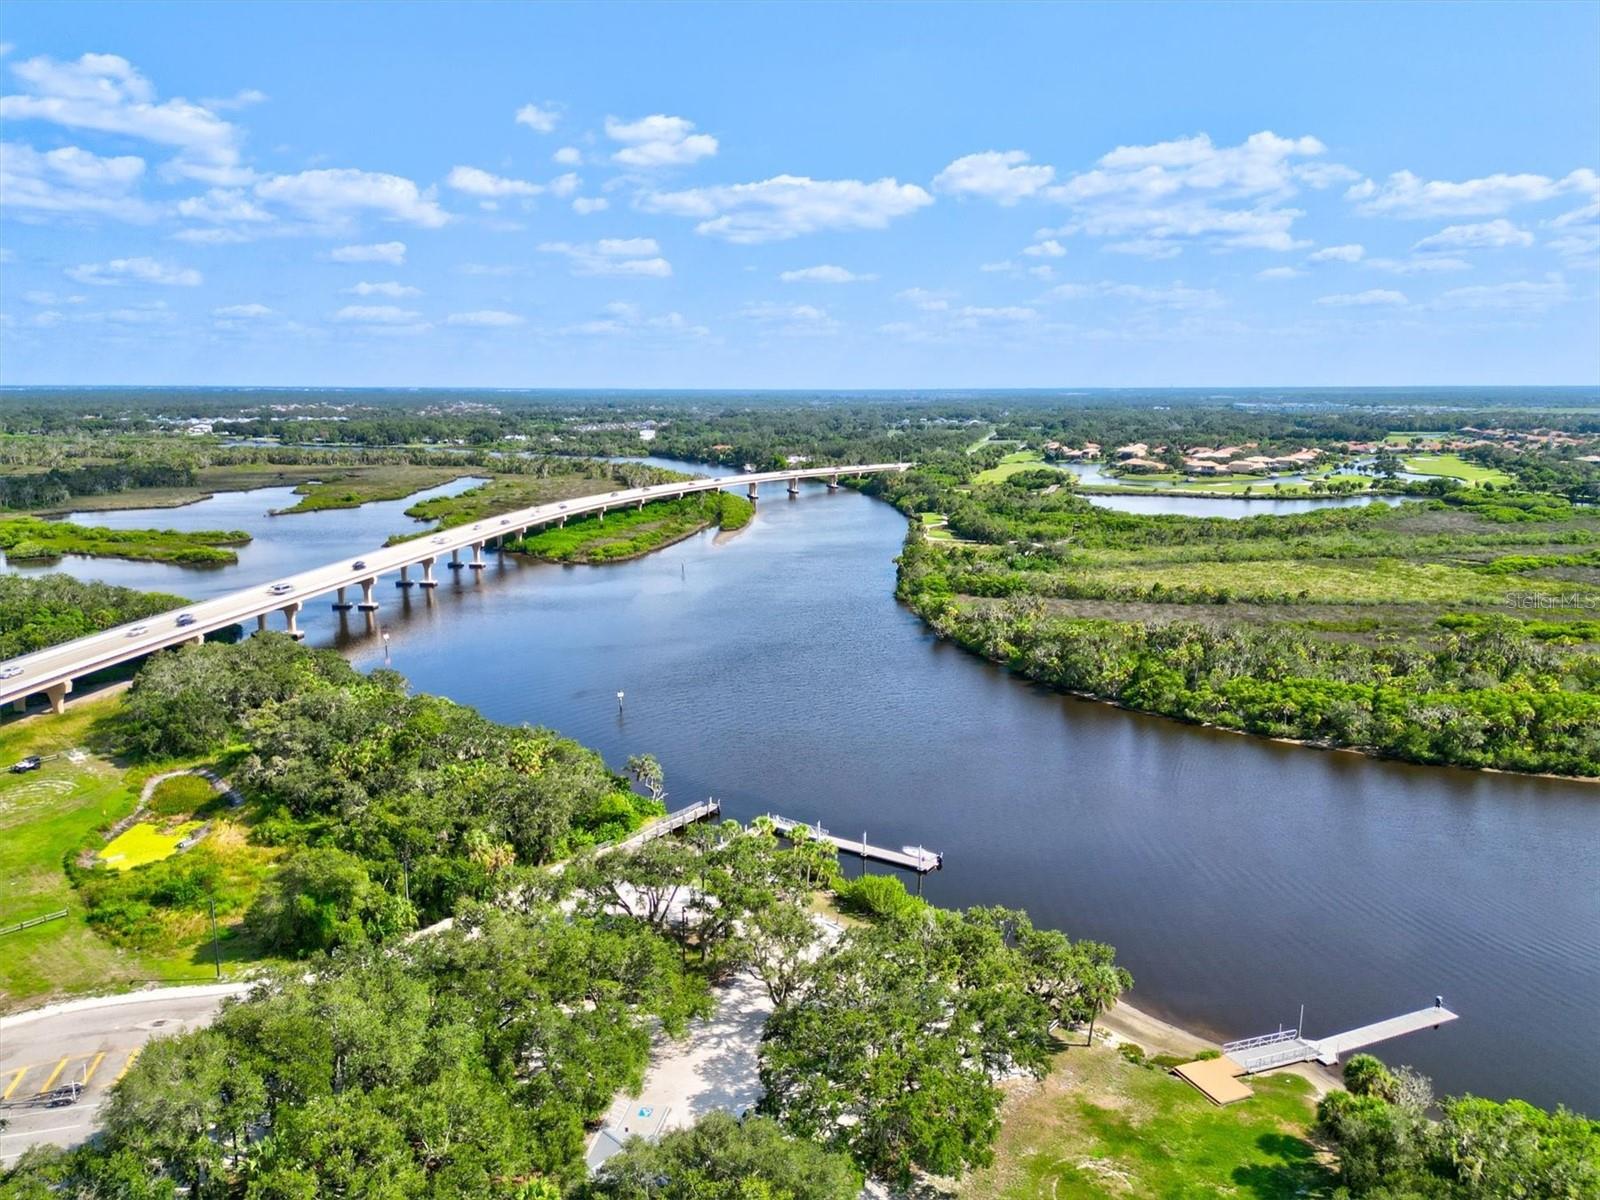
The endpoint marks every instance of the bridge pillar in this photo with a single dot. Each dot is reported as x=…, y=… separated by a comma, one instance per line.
x=405, y=578
x=20, y=704
x=833, y=483
x=600, y=516
x=427, y=574
x=198, y=639
x=477, y=563
x=261, y=622
x=755, y=490
x=561, y=522
x=290, y=612
x=341, y=604
x=794, y=486
x=641, y=504
x=57, y=694
x=368, y=604
x=455, y=560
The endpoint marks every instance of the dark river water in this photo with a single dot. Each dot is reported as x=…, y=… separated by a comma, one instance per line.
x=1238, y=878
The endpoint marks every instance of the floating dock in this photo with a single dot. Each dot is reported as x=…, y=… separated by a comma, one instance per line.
x=1221, y=1080
x=1287, y=1046
x=908, y=858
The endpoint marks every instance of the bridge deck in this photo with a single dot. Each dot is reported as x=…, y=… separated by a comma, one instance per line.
x=917, y=859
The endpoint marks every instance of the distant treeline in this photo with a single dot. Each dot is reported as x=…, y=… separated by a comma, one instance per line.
x=58, y=486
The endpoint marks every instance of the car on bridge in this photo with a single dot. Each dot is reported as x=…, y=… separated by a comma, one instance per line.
x=138, y=630
x=23, y=765
x=360, y=564
x=281, y=589
x=186, y=619
x=10, y=673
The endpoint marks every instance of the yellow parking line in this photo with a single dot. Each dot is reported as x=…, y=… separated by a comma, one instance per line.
x=88, y=1071
x=54, y=1075
x=128, y=1064
x=12, y=1086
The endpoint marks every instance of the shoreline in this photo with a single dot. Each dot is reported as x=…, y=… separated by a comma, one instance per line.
x=1129, y=1023
x=1303, y=743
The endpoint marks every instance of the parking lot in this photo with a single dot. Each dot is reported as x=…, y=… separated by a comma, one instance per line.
x=58, y=1064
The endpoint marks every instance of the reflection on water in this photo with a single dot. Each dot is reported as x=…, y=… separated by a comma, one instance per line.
x=1238, y=878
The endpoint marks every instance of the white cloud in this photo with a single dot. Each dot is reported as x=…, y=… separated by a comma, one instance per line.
x=376, y=314
x=1280, y=273
x=1151, y=197
x=659, y=141
x=1521, y=296
x=1489, y=235
x=72, y=180
x=926, y=299
x=1004, y=176
x=1369, y=298
x=584, y=205
x=793, y=320
x=541, y=118
x=1174, y=295
x=623, y=319
x=1427, y=264
x=334, y=196
x=1048, y=248
x=393, y=253
x=567, y=156
x=476, y=182
x=395, y=291
x=1349, y=253
x=244, y=98
x=106, y=93
x=787, y=206
x=135, y=270
x=1152, y=248
x=488, y=269
x=971, y=315
x=243, y=312
x=565, y=185
x=484, y=318
x=826, y=273
x=638, y=257
x=1408, y=195
x=223, y=206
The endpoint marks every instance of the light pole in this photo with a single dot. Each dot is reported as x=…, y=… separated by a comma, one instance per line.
x=386, y=647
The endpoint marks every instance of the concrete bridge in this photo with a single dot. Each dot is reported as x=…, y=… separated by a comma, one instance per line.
x=51, y=671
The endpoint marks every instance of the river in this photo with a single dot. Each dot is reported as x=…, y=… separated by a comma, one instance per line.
x=1238, y=878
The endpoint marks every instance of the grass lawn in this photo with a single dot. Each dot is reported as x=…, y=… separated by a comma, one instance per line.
x=502, y=494
x=1100, y=1126
x=1017, y=460
x=351, y=487
x=44, y=816
x=1453, y=466
x=1401, y=437
x=29, y=539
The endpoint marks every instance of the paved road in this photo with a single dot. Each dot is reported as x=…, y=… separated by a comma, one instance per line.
x=55, y=665
x=90, y=1042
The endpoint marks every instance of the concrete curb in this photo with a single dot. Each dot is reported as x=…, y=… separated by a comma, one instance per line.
x=149, y=995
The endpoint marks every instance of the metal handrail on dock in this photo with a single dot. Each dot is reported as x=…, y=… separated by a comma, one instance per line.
x=910, y=858
x=671, y=823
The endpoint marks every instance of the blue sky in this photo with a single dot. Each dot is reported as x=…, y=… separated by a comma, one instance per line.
x=800, y=196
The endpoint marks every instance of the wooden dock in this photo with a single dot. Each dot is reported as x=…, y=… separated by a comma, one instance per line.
x=909, y=858
x=671, y=823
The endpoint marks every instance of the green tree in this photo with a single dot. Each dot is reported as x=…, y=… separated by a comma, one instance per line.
x=720, y=1158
